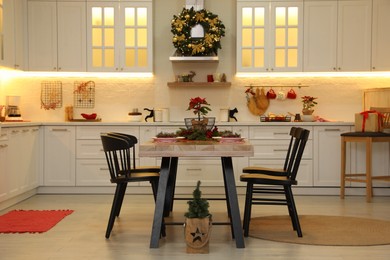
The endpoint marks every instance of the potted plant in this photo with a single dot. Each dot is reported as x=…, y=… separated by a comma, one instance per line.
x=308, y=105
x=200, y=108
x=197, y=224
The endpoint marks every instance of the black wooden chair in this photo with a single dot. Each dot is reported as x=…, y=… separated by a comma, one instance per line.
x=134, y=167
x=266, y=181
x=119, y=155
x=272, y=171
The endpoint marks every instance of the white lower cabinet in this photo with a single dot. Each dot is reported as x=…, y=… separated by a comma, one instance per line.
x=327, y=155
x=4, y=146
x=270, y=148
x=59, y=155
x=91, y=164
x=19, y=161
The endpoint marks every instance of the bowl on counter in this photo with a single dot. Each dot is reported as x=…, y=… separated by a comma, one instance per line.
x=135, y=117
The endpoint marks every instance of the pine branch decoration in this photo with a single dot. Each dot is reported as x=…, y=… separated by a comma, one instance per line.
x=198, y=207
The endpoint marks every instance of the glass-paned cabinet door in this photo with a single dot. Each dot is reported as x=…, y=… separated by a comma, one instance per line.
x=137, y=35
x=269, y=36
x=1, y=33
x=252, y=36
x=120, y=36
x=286, y=36
x=102, y=19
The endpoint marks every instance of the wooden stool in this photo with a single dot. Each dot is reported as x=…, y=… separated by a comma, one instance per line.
x=361, y=137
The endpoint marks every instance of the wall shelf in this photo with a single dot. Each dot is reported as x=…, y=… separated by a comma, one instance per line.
x=199, y=84
x=178, y=58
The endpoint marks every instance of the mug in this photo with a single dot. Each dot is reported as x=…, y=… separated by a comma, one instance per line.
x=291, y=94
x=281, y=95
x=210, y=78
x=271, y=94
x=217, y=77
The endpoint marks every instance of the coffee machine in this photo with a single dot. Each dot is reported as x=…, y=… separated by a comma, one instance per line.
x=13, y=109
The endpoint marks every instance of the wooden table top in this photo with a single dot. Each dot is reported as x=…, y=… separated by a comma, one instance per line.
x=196, y=149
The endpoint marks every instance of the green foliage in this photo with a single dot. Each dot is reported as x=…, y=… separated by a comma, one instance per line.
x=198, y=207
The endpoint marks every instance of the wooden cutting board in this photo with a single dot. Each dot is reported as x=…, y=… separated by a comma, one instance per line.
x=376, y=97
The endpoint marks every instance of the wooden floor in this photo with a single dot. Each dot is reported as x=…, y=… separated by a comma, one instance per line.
x=81, y=235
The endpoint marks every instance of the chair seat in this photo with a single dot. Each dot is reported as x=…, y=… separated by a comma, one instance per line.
x=264, y=170
x=259, y=178
x=136, y=176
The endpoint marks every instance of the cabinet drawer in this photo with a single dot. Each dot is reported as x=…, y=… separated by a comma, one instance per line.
x=94, y=173
x=89, y=149
x=272, y=133
x=277, y=149
x=93, y=132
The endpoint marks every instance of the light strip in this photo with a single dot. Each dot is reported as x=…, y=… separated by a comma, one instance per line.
x=367, y=74
x=27, y=74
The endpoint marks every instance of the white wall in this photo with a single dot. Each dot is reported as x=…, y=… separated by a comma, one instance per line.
x=338, y=98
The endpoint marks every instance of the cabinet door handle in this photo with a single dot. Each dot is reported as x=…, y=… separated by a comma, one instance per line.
x=59, y=130
x=280, y=133
x=103, y=169
x=280, y=150
x=194, y=169
x=332, y=130
x=25, y=130
x=15, y=131
x=3, y=145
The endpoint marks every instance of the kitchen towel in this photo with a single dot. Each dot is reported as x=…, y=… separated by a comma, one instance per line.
x=31, y=221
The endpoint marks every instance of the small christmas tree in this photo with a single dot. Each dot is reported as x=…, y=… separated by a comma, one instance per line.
x=198, y=207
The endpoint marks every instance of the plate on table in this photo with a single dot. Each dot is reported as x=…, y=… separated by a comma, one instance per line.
x=230, y=139
x=167, y=139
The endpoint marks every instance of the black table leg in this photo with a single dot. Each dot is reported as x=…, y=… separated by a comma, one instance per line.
x=160, y=201
x=230, y=183
x=169, y=198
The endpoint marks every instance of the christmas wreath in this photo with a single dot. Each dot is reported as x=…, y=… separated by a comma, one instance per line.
x=213, y=28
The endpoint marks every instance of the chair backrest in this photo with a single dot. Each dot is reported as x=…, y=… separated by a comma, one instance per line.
x=385, y=111
x=118, y=155
x=132, y=140
x=300, y=137
x=292, y=131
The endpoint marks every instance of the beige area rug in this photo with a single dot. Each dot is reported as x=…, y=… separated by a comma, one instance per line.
x=323, y=230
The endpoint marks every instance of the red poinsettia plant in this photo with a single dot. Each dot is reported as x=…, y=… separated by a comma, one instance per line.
x=199, y=105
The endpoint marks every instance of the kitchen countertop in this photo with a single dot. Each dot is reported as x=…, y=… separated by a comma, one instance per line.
x=249, y=123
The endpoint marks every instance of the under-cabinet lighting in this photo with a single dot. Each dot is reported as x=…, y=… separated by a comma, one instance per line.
x=16, y=73
x=367, y=74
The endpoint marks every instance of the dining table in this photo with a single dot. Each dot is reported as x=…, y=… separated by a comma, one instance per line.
x=170, y=152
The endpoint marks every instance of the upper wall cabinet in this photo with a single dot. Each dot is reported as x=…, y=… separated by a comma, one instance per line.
x=57, y=35
x=337, y=35
x=381, y=35
x=12, y=34
x=120, y=36
x=269, y=36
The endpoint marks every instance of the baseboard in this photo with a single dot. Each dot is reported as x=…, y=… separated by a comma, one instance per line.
x=12, y=201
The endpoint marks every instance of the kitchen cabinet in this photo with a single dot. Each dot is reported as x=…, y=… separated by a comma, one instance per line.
x=59, y=156
x=270, y=148
x=19, y=157
x=120, y=36
x=57, y=35
x=3, y=166
x=327, y=155
x=13, y=49
x=337, y=35
x=269, y=36
x=91, y=164
x=381, y=35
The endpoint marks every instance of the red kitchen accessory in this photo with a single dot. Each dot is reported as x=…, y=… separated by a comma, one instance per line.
x=271, y=94
x=291, y=94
